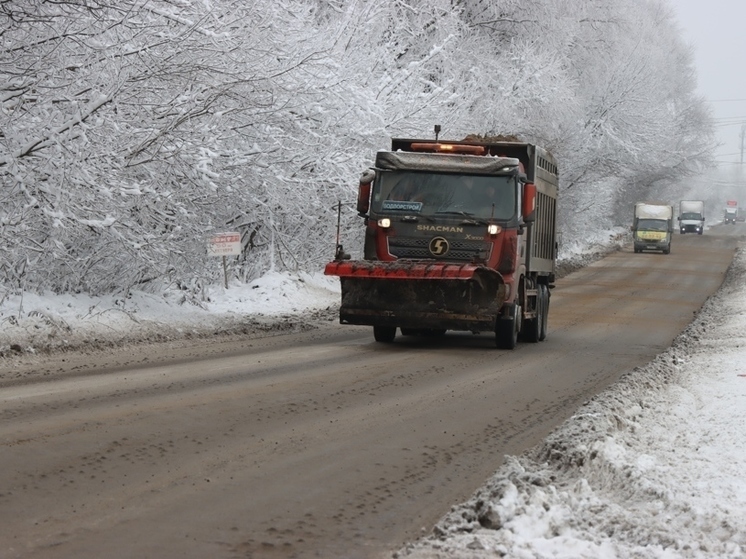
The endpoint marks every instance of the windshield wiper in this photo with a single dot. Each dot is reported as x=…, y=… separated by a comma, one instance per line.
x=414, y=218
x=456, y=212
x=468, y=217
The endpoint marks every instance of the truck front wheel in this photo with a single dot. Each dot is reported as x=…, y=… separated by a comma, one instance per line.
x=531, y=329
x=535, y=329
x=384, y=334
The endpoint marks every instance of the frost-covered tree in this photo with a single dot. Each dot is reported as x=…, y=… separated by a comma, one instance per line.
x=135, y=129
x=132, y=130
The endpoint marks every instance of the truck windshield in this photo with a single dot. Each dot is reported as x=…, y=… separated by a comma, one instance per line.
x=690, y=215
x=652, y=225
x=433, y=194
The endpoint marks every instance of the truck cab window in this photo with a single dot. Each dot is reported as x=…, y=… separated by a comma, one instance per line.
x=653, y=224
x=473, y=195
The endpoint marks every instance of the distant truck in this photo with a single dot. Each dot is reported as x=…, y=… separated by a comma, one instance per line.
x=692, y=216
x=652, y=227
x=459, y=235
x=731, y=212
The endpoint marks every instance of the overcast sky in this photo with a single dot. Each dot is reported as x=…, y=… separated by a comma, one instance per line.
x=717, y=31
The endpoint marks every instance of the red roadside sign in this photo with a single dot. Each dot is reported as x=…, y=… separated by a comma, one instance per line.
x=224, y=244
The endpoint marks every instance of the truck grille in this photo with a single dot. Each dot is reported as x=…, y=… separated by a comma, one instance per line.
x=417, y=248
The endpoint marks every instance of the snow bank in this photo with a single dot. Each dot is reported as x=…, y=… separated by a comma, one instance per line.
x=39, y=323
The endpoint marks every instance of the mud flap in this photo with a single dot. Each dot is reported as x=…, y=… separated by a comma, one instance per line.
x=507, y=327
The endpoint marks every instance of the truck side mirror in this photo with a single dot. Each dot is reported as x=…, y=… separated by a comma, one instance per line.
x=529, y=202
x=363, y=191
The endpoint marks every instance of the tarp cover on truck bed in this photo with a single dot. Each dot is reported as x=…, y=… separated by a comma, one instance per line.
x=653, y=211
x=477, y=164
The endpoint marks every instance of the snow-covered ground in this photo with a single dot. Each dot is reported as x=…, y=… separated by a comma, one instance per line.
x=651, y=468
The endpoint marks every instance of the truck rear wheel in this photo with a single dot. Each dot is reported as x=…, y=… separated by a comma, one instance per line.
x=384, y=334
x=506, y=329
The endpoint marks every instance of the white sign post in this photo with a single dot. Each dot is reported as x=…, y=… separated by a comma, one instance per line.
x=225, y=244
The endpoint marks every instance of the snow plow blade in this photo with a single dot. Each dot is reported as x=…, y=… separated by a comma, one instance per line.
x=419, y=294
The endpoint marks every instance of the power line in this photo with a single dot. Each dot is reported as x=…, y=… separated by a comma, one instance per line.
x=722, y=124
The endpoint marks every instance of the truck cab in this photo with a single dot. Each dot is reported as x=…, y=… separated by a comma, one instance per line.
x=459, y=216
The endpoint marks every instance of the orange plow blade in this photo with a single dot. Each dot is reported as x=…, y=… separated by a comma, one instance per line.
x=419, y=294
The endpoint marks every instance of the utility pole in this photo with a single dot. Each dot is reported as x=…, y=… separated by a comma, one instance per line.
x=740, y=167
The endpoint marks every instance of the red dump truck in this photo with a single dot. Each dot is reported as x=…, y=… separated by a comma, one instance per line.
x=459, y=235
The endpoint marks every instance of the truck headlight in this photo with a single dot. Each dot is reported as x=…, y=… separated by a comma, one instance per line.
x=384, y=223
x=493, y=229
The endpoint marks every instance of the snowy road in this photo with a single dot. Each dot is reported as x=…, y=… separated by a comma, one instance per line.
x=320, y=444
